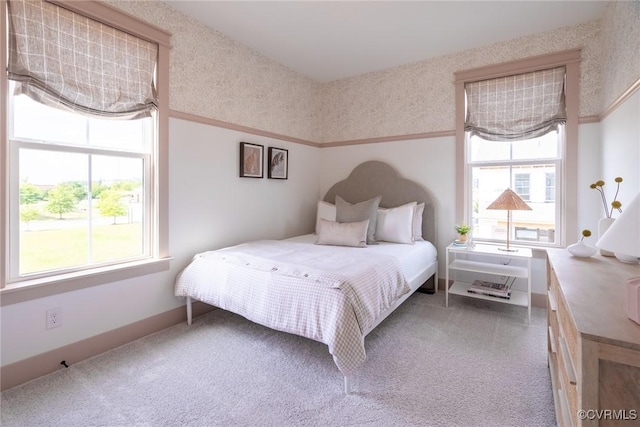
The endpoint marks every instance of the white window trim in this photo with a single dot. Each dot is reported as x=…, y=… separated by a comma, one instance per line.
x=38, y=288
x=571, y=60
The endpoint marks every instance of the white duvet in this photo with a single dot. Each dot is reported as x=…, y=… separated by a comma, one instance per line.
x=326, y=293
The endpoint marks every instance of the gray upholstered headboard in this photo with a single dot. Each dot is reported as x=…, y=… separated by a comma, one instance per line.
x=373, y=178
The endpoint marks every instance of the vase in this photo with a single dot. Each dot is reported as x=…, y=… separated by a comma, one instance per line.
x=603, y=226
x=581, y=250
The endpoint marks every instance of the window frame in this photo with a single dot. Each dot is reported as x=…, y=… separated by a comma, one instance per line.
x=555, y=161
x=53, y=284
x=570, y=59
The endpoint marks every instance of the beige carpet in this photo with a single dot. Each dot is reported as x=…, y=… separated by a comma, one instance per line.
x=474, y=364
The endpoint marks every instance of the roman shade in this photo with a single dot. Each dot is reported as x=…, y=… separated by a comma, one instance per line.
x=521, y=106
x=65, y=60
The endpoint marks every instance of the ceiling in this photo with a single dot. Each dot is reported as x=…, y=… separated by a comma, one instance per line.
x=331, y=40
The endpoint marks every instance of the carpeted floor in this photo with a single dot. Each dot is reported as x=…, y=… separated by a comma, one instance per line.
x=474, y=364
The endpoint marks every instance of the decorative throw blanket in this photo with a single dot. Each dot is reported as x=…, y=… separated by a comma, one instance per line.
x=326, y=293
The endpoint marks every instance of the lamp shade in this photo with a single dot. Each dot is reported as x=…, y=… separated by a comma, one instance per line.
x=509, y=201
x=623, y=236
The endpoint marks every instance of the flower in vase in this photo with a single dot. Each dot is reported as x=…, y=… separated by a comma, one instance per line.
x=616, y=204
x=585, y=233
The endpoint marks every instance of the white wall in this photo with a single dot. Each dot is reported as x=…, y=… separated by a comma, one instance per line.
x=210, y=207
x=589, y=171
x=621, y=150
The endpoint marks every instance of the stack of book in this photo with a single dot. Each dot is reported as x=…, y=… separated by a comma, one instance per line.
x=498, y=290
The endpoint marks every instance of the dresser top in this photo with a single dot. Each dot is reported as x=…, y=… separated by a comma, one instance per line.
x=595, y=290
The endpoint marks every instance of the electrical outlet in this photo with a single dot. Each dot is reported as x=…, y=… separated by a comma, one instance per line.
x=54, y=318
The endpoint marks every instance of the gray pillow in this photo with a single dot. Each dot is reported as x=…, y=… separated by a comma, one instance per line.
x=343, y=233
x=347, y=212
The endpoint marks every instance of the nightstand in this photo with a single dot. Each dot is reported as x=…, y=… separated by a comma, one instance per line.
x=492, y=261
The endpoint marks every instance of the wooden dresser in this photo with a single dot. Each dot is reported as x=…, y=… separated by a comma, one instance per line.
x=594, y=348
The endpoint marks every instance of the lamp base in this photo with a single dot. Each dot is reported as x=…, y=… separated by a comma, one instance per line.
x=508, y=249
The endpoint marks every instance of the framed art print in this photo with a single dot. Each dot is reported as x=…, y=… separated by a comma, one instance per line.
x=278, y=163
x=251, y=160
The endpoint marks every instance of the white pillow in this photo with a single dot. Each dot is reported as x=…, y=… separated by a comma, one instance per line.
x=325, y=211
x=343, y=233
x=396, y=224
x=417, y=223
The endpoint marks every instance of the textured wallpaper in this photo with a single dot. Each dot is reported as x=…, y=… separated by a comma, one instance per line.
x=419, y=97
x=621, y=49
x=216, y=77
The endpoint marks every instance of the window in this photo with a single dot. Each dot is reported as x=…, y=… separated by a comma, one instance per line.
x=523, y=166
x=83, y=189
x=87, y=170
x=503, y=145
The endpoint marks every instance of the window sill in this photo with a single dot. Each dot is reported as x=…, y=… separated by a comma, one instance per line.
x=38, y=288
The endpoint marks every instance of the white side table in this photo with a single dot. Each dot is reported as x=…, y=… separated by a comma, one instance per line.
x=494, y=263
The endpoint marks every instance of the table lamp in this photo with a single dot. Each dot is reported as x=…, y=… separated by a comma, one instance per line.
x=509, y=201
x=623, y=236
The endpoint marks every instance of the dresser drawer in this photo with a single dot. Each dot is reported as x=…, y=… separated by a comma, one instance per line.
x=565, y=322
x=564, y=338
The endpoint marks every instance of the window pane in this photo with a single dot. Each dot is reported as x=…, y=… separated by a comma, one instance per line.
x=53, y=210
x=537, y=224
x=62, y=227
x=118, y=227
x=544, y=147
x=36, y=121
x=482, y=150
x=120, y=134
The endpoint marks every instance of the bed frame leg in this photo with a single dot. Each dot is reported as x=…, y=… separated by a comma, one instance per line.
x=189, y=311
x=347, y=385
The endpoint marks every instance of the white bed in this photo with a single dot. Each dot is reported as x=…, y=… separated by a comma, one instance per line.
x=332, y=294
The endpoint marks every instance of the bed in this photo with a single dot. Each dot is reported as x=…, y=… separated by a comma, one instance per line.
x=332, y=294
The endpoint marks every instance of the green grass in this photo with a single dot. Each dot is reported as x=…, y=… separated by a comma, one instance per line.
x=54, y=249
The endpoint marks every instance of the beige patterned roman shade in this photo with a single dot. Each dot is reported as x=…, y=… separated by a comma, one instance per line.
x=68, y=61
x=521, y=106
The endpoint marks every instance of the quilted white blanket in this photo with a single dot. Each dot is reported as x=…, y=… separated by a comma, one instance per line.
x=326, y=293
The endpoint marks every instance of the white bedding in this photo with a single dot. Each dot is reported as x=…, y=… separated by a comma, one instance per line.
x=326, y=293
x=413, y=258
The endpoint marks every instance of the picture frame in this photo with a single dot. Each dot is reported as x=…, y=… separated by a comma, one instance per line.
x=251, y=160
x=278, y=163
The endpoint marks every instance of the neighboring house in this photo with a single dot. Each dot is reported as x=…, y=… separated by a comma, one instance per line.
x=223, y=93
